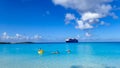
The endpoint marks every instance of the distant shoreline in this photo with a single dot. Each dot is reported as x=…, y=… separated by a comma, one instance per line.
x=51, y=42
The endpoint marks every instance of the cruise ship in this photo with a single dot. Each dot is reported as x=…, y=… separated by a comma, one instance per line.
x=71, y=40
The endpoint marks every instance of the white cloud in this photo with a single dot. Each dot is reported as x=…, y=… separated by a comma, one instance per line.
x=5, y=36
x=4, y=33
x=87, y=20
x=19, y=37
x=82, y=5
x=114, y=15
x=37, y=37
x=102, y=23
x=78, y=36
x=104, y=9
x=69, y=17
x=90, y=16
x=83, y=25
x=87, y=34
x=90, y=11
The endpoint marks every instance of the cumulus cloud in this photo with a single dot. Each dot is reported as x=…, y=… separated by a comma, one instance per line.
x=83, y=25
x=90, y=16
x=37, y=37
x=83, y=5
x=87, y=34
x=5, y=36
x=69, y=17
x=90, y=11
x=87, y=20
x=114, y=15
x=19, y=37
x=78, y=36
x=102, y=23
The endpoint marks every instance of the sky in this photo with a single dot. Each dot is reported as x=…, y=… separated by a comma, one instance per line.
x=56, y=20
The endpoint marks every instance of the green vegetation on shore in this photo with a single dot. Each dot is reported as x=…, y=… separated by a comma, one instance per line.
x=16, y=42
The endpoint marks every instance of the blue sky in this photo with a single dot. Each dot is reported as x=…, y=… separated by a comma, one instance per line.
x=56, y=20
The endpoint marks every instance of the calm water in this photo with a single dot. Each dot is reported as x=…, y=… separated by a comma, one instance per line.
x=83, y=55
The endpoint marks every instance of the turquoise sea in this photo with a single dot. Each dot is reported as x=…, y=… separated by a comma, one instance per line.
x=82, y=55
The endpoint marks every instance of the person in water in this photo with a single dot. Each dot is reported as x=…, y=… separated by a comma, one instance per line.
x=56, y=52
x=68, y=51
x=40, y=51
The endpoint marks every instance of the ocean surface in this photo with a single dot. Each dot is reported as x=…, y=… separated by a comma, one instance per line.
x=82, y=55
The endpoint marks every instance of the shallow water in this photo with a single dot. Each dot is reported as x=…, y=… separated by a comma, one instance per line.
x=83, y=55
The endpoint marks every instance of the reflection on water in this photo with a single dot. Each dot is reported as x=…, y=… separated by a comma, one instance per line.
x=84, y=49
x=76, y=67
x=92, y=67
x=83, y=55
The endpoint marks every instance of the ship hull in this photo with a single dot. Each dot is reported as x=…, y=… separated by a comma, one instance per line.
x=72, y=41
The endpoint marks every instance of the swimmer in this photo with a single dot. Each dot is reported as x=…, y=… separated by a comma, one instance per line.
x=56, y=52
x=68, y=51
x=40, y=51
